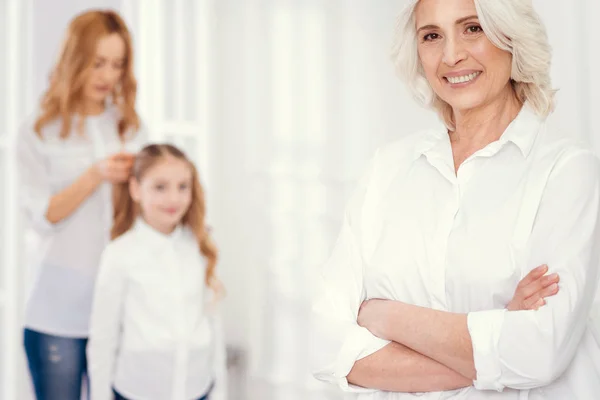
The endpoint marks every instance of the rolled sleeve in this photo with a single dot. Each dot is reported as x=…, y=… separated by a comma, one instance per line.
x=338, y=340
x=532, y=348
x=484, y=328
x=33, y=180
x=359, y=343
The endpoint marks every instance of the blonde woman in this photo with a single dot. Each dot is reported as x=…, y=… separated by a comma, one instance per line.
x=449, y=226
x=70, y=152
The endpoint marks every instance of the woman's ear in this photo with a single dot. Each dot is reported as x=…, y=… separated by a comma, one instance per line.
x=134, y=189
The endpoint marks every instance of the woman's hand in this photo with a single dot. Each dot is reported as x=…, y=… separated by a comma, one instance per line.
x=115, y=168
x=374, y=315
x=530, y=294
x=533, y=289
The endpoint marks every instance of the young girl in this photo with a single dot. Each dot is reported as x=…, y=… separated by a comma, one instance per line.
x=155, y=333
x=69, y=153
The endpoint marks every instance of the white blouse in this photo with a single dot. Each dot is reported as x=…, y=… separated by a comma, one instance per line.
x=66, y=260
x=154, y=333
x=417, y=232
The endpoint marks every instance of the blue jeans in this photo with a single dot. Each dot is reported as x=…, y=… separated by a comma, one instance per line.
x=57, y=365
x=119, y=397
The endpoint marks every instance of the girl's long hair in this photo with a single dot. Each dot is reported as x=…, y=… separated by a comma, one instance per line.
x=65, y=92
x=126, y=210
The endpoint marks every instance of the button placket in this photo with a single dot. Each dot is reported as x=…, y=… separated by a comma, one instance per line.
x=438, y=270
x=175, y=268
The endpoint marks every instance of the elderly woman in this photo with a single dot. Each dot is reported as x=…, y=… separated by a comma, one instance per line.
x=432, y=290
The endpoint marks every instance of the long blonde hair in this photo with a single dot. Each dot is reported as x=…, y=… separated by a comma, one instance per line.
x=72, y=68
x=126, y=209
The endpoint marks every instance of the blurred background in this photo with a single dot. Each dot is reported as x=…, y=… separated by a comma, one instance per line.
x=280, y=103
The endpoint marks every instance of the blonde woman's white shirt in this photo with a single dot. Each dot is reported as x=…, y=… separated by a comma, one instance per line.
x=66, y=260
x=416, y=232
x=154, y=334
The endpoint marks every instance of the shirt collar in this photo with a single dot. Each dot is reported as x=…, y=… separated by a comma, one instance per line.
x=522, y=131
x=153, y=237
x=430, y=139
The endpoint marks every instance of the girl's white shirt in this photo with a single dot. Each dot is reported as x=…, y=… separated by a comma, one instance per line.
x=153, y=333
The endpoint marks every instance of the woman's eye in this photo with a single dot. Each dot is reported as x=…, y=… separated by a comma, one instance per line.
x=430, y=36
x=474, y=29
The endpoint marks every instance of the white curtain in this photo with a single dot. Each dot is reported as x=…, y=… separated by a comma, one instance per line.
x=280, y=103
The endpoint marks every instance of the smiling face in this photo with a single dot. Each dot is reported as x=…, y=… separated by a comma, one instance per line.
x=164, y=193
x=461, y=64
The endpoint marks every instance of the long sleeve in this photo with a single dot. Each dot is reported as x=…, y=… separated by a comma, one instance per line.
x=105, y=325
x=528, y=349
x=338, y=341
x=34, y=183
x=219, y=391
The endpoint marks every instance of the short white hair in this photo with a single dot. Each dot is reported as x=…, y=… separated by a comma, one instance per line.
x=511, y=25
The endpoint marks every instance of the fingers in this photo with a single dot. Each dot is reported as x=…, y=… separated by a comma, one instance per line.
x=538, y=285
x=118, y=171
x=549, y=291
x=122, y=160
x=123, y=163
x=541, y=284
x=539, y=299
x=123, y=156
x=119, y=166
x=533, y=275
x=513, y=306
x=534, y=305
x=533, y=289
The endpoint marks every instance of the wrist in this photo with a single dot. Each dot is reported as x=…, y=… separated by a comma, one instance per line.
x=94, y=176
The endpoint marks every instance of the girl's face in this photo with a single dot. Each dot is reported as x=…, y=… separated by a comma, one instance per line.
x=164, y=193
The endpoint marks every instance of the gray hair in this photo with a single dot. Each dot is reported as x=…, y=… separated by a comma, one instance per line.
x=511, y=25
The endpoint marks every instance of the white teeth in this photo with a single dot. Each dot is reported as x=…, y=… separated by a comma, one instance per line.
x=462, y=79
